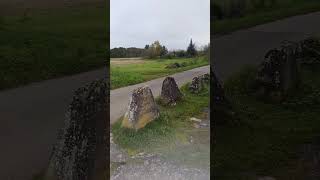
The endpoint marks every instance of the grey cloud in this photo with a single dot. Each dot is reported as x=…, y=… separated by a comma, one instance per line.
x=172, y=22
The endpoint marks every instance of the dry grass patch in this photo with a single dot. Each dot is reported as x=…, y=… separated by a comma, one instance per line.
x=125, y=61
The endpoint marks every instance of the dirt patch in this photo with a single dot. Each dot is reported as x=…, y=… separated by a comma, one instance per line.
x=124, y=61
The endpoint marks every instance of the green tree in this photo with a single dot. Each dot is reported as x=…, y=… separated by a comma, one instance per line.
x=164, y=51
x=191, y=50
x=154, y=50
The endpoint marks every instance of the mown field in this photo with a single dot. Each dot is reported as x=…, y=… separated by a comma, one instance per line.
x=255, y=15
x=137, y=71
x=49, y=42
x=270, y=139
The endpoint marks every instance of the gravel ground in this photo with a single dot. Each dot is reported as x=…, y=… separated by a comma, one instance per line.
x=154, y=167
x=165, y=165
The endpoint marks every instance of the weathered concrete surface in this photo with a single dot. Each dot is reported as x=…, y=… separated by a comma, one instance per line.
x=170, y=92
x=142, y=109
x=81, y=150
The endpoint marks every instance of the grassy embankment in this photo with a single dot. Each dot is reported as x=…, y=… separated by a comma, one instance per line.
x=129, y=74
x=46, y=43
x=253, y=17
x=270, y=139
x=171, y=124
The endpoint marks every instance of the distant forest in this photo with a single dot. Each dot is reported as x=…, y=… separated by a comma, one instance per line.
x=156, y=50
x=126, y=52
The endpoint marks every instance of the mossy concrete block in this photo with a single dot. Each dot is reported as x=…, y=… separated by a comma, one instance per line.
x=142, y=109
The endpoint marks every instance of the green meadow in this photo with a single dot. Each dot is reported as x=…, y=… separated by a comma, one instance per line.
x=147, y=69
x=47, y=43
x=252, y=16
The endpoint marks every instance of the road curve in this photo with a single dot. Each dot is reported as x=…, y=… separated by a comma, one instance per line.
x=248, y=46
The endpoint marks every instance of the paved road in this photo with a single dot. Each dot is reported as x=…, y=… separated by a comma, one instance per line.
x=30, y=117
x=119, y=98
x=234, y=50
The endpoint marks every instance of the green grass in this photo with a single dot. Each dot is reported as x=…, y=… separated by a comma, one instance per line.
x=260, y=16
x=129, y=74
x=270, y=136
x=50, y=43
x=164, y=129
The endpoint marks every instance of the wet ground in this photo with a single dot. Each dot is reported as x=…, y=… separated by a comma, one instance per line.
x=188, y=158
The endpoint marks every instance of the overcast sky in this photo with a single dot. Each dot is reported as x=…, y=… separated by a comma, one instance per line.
x=135, y=23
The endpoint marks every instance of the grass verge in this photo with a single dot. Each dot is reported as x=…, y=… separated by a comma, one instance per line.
x=269, y=141
x=129, y=74
x=264, y=16
x=50, y=43
x=164, y=129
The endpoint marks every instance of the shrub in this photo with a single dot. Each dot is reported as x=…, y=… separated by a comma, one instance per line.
x=184, y=64
x=167, y=56
x=181, y=53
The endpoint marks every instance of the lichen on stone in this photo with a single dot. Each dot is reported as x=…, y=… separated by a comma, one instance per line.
x=170, y=93
x=142, y=109
x=75, y=155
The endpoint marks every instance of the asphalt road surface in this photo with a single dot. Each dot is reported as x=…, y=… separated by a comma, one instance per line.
x=249, y=46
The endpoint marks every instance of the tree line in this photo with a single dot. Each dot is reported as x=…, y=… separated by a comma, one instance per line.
x=157, y=50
